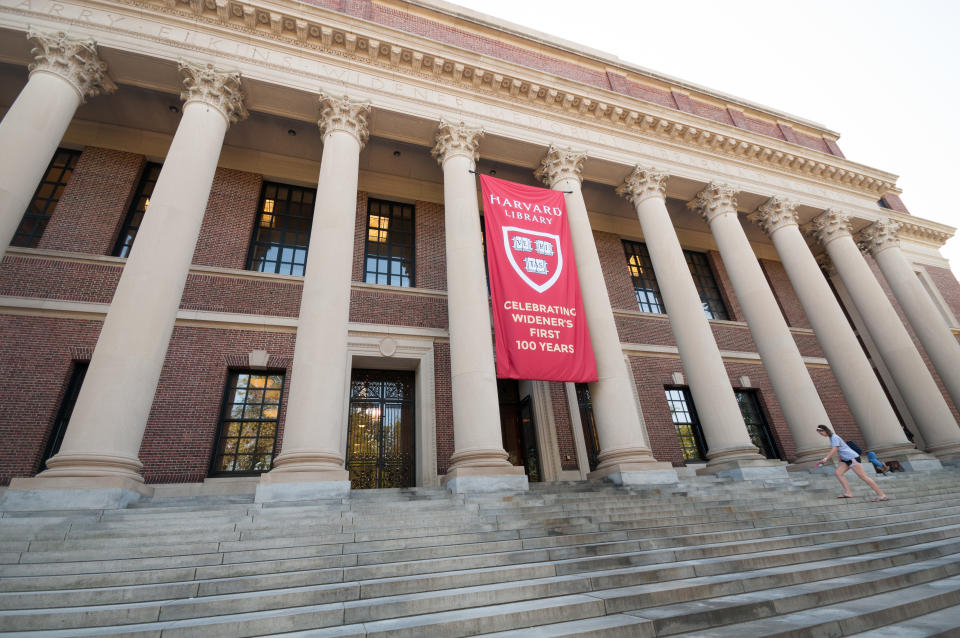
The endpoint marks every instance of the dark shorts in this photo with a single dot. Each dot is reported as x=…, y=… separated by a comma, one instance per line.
x=852, y=461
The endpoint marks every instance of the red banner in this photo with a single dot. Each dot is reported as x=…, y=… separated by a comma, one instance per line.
x=538, y=318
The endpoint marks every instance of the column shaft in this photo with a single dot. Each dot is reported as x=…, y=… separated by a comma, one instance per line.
x=788, y=374
x=927, y=322
x=111, y=412
x=624, y=456
x=919, y=390
x=65, y=72
x=479, y=462
x=311, y=462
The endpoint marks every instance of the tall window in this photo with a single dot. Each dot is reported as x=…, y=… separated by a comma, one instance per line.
x=138, y=208
x=757, y=426
x=590, y=438
x=389, y=253
x=65, y=412
x=644, y=281
x=45, y=199
x=684, y=416
x=282, y=231
x=706, y=285
x=247, y=435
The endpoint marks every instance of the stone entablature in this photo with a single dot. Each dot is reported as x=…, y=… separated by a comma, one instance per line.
x=304, y=27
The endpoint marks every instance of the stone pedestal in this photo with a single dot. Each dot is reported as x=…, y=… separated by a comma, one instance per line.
x=72, y=493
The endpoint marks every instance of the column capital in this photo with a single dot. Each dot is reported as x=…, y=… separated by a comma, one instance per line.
x=344, y=114
x=218, y=89
x=879, y=236
x=643, y=183
x=452, y=140
x=73, y=59
x=559, y=164
x=774, y=214
x=828, y=226
x=716, y=199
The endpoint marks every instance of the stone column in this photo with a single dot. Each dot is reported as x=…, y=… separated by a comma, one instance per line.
x=310, y=464
x=66, y=72
x=923, y=398
x=731, y=452
x=101, y=446
x=862, y=390
x=479, y=462
x=881, y=239
x=624, y=455
x=788, y=374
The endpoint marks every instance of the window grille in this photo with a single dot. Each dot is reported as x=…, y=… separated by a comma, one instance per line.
x=247, y=436
x=45, y=199
x=706, y=285
x=138, y=208
x=389, y=256
x=645, y=285
x=281, y=234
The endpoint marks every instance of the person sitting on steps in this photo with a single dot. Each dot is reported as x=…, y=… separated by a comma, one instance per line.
x=848, y=459
x=879, y=465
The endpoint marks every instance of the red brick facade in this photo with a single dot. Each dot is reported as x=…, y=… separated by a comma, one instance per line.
x=181, y=430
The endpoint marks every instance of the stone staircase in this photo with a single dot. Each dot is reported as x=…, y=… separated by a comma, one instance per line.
x=701, y=558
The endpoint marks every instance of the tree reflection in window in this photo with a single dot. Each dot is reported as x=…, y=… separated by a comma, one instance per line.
x=248, y=424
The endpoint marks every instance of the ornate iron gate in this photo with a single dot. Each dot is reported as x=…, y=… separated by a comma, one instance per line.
x=380, y=434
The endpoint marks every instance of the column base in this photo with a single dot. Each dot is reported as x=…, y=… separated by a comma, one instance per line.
x=465, y=480
x=914, y=460
x=72, y=493
x=948, y=454
x=746, y=470
x=654, y=473
x=279, y=486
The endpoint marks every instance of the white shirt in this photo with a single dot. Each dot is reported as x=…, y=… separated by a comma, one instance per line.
x=846, y=454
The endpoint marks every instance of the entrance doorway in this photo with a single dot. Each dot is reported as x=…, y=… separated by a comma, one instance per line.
x=519, y=429
x=590, y=438
x=380, y=429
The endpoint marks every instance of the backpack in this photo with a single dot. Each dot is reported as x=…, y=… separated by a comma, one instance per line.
x=853, y=446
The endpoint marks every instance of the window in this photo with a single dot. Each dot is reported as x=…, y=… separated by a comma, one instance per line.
x=684, y=416
x=282, y=230
x=645, y=285
x=138, y=208
x=706, y=285
x=590, y=439
x=247, y=435
x=65, y=412
x=389, y=253
x=757, y=426
x=45, y=199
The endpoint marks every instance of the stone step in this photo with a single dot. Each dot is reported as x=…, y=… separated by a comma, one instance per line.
x=938, y=624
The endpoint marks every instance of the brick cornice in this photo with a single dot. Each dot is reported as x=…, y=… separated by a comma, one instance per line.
x=366, y=43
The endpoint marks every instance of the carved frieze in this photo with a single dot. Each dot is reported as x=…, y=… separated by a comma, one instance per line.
x=829, y=225
x=715, y=199
x=774, y=214
x=643, y=183
x=879, y=236
x=456, y=139
x=559, y=164
x=73, y=59
x=218, y=89
x=344, y=114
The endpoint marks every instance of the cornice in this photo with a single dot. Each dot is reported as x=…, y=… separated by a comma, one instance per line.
x=321, y=30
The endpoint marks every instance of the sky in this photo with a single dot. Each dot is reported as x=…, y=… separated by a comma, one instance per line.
x=884, y=75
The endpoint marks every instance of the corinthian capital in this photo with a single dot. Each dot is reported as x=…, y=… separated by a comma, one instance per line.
x=73, y=59
x=879, y=236
x=218, y=89
x=828, y=226
x=456, y=139
x=774, y=214
x=344, y=114
x=715, y=199
x=643, y=183
x=559, y=164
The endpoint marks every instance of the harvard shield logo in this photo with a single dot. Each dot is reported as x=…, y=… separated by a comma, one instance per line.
x=535, y=256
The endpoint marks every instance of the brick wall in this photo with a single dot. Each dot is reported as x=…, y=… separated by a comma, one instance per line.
x=948, y=286
x=228, y=222
x=182, y=427
x=360, y=236
x=36, y=364
x=783, y=291
x=94, y=203
x=564, y=427
x=58, y=279
x=443, y=396
x=613, y=263
x=431, y=251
